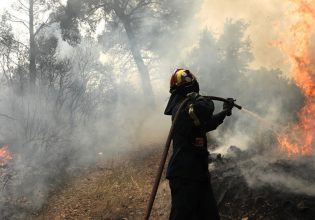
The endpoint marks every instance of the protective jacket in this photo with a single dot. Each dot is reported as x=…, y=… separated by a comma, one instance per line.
x=190, y=155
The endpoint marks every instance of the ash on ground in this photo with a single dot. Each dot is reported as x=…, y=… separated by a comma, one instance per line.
x=238, y=198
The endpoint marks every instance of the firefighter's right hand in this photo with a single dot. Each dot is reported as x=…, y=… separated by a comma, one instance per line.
x=227, y=106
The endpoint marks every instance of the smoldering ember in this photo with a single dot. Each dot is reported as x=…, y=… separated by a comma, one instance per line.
x=108, y=109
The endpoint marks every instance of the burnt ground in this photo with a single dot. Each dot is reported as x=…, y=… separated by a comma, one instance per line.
x=236, y=200
x=119, y=189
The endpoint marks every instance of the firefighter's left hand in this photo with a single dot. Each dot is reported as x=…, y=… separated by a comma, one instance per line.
x=227, y=106
x=193, y=95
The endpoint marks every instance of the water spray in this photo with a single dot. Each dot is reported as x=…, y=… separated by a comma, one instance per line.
x=276, y=129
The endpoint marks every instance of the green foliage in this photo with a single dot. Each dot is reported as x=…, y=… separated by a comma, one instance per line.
x=67, y=17
x=13, y=56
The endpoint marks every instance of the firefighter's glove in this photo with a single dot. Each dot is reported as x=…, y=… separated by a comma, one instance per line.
x=193, y=95
x=227, y=106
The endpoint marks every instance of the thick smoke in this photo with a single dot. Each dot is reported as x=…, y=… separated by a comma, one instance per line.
x=223, y=65
x=62, y=125
x=90, y=100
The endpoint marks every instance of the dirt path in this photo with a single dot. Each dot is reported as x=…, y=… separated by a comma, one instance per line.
x=112, y=190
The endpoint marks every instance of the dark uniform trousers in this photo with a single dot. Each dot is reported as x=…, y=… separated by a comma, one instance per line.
x=192, y=200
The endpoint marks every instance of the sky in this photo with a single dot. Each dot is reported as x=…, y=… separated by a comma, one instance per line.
x=4, y=4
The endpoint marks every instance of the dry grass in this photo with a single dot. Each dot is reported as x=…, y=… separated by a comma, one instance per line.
x=112, y=190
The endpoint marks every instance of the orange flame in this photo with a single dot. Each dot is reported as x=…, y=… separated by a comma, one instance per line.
x=5, y=155
x=298, y=139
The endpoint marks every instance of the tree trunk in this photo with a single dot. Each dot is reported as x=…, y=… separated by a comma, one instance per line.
x=136, y=53
x=32, y=50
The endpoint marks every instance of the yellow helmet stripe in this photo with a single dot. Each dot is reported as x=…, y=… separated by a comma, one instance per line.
x=179, y=75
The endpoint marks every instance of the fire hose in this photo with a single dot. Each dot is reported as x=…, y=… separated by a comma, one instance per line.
x=166, y=149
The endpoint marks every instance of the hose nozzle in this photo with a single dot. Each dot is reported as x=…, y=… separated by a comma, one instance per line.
x=223, y=100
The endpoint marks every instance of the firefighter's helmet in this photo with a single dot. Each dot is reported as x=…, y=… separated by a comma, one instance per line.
x=183, y=81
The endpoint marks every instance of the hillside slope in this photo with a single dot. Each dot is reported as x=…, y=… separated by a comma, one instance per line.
x=120, y=188
x=115, y=189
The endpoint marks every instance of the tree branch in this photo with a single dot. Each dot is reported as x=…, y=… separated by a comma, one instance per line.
x=125, y=4
x=17, y=18
x=23, y=23
x=15, y=41
x=60, y=4
x=7, y=116
x=41, y=27
x=22, y=4
x=141, y=4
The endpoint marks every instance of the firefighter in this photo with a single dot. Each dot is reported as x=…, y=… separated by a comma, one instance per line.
x=187, y=172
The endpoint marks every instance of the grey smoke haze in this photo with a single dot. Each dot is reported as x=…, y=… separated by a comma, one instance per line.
x=265, y=19
x=268, y=170
x=101, y=108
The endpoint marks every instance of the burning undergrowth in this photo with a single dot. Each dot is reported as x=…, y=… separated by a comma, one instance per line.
x=41, y=151
x=5, y=156
x=280, y=157
x=298, y=44
x=291, y=168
